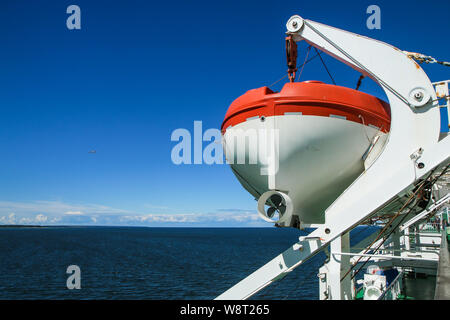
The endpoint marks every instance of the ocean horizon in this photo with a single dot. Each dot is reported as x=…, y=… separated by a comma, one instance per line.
x=146, y=262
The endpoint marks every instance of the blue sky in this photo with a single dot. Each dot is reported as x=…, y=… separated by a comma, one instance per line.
x=136, y=71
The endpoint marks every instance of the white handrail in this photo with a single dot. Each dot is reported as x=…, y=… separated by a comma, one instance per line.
x=395, y=281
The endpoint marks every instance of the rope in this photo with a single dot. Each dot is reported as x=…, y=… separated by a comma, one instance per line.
x=325, y=66
x=304, y=62
x=424, y=58
x=312, y=58
x=278, y=80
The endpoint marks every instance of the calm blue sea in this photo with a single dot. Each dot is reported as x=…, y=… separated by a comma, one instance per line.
x=146, y=263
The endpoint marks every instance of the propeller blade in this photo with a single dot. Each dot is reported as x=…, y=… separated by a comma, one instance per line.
x=271, y=212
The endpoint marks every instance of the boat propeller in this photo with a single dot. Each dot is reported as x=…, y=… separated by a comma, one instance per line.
x=278, y=203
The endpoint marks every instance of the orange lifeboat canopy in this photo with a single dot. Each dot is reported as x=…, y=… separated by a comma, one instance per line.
x=312, y=98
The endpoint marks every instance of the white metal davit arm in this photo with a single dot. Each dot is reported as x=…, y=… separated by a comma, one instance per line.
x=413, y=148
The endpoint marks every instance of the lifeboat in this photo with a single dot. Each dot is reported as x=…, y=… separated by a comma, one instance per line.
x=298, y=149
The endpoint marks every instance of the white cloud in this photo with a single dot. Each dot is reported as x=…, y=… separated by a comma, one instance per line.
x=74, y=213
x=25, y=221
x=40, y=218
x=55, y=220
x=13, y=219
x=193, y=217
x=8, y=219
x=60, y=213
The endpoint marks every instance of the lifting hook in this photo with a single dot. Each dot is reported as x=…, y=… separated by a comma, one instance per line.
x=291, y=55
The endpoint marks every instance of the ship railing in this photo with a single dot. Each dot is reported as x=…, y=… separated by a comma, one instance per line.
x=394, y=289
x=432, y=227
